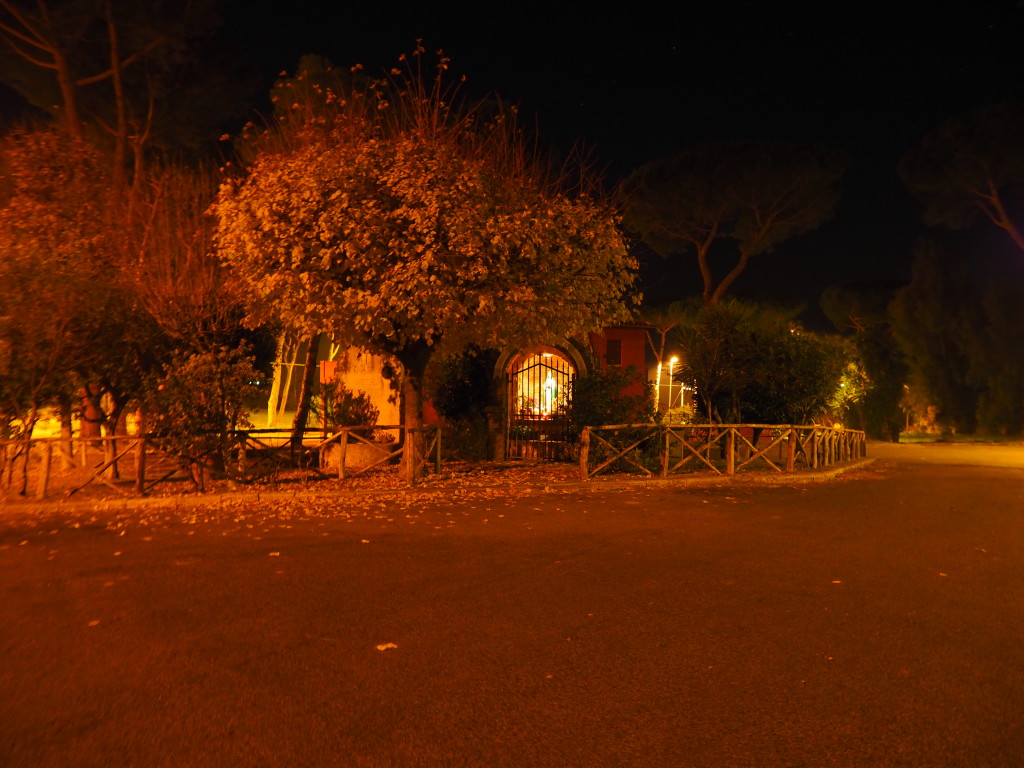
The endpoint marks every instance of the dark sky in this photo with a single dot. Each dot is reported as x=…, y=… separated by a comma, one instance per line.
x=638, y=82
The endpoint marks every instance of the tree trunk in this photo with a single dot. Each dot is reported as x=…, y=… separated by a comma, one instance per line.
x=414, y=359
x=729, y=279
x=92, y=411
x=305, y=394
x=66, y=435
x=111, y=420
x=121, y=134
x=66, y=83
x=29, y=426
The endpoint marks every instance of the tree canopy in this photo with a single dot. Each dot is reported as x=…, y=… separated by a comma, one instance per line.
x=751, y=363
x=124, y=74
x=752, y=195
x=863, y=309
x=97, y=287
x=401, y=223
x=969, y=167
x=960, y=323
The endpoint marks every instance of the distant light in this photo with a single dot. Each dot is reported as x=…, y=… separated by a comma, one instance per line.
x=547, y=354
x=673, y=361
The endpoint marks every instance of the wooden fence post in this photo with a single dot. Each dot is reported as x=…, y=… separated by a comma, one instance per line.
x=584, y=452
x=243, y=455
x=437, y=452
x=791, y=449
x=140, y=464
x=663, y=458
x=25, y=457
x=342, y=448
x=730, y=451
x=412, y=466
x=44, y=478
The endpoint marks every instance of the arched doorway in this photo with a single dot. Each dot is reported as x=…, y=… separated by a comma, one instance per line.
x=538, y=392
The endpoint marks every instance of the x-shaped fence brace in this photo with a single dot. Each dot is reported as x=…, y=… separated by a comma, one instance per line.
x=97, y=472
x=252, y=452
x=621, y=453
x=807, y=445
x=386, y=454
x=701, y=452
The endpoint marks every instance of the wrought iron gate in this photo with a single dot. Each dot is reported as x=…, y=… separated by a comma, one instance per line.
x=538, y=408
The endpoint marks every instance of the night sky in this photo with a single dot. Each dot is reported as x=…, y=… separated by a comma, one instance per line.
x=639, y=82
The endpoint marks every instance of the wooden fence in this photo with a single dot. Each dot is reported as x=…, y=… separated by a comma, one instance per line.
x=135, y=466
x=724, y=449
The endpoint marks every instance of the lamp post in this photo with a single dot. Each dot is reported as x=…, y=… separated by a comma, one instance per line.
x=671, y=369
x=657, y=388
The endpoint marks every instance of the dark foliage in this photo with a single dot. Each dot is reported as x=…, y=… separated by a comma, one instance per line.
x=600, y=398
x=862, y=309
x=461, y=395
x=960, y=323
x=338, y=406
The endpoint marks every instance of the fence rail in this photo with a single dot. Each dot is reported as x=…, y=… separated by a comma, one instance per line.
x=723, y=449
x=132, y=465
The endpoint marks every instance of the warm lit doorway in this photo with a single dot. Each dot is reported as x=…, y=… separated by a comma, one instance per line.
x=539, y=388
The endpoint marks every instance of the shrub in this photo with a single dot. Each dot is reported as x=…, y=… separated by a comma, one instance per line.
x=199, y=402
x=600, y=398
x=461, y=395
x=338, y=406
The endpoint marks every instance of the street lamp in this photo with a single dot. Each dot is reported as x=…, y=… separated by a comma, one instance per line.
x=671, y=369
x=657, y=388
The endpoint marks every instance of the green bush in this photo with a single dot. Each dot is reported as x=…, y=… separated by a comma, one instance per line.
x=461, y=395
x=338, y=406
x=600, y=398
x=200, y=400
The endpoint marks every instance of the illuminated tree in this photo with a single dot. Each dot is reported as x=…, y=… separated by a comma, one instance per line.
x=862, y=308
x=748, y=195
x=751, y=363
x=50, y=246
x=97, y=288
x=164, y=241
x=405, y=225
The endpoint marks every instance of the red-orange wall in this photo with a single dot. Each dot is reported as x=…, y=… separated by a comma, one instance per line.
x=634, y=352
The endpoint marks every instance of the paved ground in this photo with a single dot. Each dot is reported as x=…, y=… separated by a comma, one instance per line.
x=873, y=620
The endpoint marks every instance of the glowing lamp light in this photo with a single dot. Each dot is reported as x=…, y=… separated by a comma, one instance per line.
x=671, y=365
